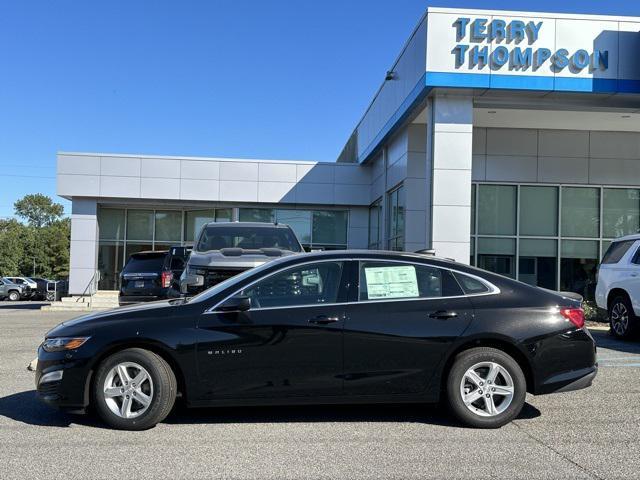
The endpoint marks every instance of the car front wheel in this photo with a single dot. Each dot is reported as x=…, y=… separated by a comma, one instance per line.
x=621, y=317
x=134, y=389
x=14, y=296
x=486, y=388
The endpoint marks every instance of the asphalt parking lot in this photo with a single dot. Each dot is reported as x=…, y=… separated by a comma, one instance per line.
x=592, y=433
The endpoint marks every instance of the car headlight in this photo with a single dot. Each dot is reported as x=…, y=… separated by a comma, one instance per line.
x=63, y=343
x=196, y=271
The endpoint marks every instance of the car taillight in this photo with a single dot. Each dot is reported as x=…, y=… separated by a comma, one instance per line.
x=166, y=279
x=574, y=315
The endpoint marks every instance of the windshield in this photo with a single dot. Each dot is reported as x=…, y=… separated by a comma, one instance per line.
x=216, y=237
x=144, y=263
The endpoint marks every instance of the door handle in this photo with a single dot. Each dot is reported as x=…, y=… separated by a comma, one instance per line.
x=323, y=320
x=443, y=314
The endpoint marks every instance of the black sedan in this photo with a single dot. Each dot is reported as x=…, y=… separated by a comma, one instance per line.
x=324, y=328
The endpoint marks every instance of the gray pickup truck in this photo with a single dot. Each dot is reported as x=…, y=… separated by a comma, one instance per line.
x=225, y=249
x=13, y=291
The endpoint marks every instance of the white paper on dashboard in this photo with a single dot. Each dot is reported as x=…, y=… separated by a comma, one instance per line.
x=391, y=282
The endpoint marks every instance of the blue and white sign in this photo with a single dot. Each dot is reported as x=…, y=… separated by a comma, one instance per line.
x=514, y=50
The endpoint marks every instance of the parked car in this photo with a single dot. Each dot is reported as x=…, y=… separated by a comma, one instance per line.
x=13, y=291
x=56, y=289
x=33, y=286
x=226, y=249
x=326, y=327
x=40, y=292
x=152, y=275
x=618, y=288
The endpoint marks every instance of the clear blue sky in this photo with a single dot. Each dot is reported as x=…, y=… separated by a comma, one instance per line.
x=263, y=79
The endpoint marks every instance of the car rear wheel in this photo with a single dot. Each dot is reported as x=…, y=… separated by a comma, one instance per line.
x=622, y=320
x=134, y=389
x=486, y=388
x=14, y=296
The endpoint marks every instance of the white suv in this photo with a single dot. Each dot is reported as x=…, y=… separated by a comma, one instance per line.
x=618, y=289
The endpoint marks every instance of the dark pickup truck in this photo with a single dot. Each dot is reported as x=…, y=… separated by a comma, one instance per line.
x=225, y=249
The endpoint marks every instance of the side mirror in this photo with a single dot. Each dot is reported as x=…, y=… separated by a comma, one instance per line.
x=237, y=303
x=191, y=281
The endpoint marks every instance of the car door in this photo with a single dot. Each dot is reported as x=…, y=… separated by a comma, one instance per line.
x=397, y=332
x=633, y=278
x=288, y=344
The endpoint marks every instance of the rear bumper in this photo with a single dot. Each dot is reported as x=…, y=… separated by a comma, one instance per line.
x=565, y=362
x=570, y=381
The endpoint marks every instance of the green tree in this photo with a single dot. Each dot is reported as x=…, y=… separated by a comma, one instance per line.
x=12, y=244
x=39, y=246
x=38, y=210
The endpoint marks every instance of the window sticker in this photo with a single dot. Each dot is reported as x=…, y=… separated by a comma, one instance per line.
x=391, y=282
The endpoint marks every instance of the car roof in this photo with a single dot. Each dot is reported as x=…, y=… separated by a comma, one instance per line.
x=633, y=236
x=150, y=252
x=376, y=254
x=248, y=224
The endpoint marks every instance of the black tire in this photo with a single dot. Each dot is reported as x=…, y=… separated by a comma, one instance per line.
x=462, y=363
x=622, y=321
x=14, y=296
x=163, y=393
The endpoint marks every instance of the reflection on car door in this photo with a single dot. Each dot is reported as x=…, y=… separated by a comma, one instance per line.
x=405, y=319
x=288, y=344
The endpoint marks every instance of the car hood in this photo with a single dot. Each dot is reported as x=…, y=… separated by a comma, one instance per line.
x=81, y=323
x=236, y=257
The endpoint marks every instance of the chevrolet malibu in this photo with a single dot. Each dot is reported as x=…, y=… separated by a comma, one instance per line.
x=325, y=328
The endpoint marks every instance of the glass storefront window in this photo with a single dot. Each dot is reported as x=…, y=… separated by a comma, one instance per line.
x=194, y=220
x=329, y=227
x=168, y=225
x=264, y=215
x=110, y=258
x=473, y=209
x=497, y=209
x=497, y=255
x=111, y=223
x=140, y=225
x=580, y=212
x=578, y=265
x=396, y=219
x=223, y=214
x=620, y=212
x=299, y=221
x=537, y=263
x=375, y=219
x=539, y=211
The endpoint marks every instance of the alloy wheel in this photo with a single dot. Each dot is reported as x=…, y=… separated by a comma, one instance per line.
x=128, y=390
x=619, y=318
x=487, y=389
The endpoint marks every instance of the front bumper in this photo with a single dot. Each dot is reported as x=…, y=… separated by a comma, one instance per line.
x=71, y=391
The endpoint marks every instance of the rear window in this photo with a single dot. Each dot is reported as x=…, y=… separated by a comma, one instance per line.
x=247, y=238
x=616, y=251
x=145, y=263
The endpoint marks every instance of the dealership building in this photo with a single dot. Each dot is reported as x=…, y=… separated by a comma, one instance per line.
x=508, y=140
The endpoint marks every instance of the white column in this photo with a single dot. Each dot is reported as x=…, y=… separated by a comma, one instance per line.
x=449, y=160
x=84, y=244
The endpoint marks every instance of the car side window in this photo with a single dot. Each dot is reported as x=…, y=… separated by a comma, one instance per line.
x=616, y=251
x=636, y=257
x=392, y=280
x=470, y=285
x=303, y=285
